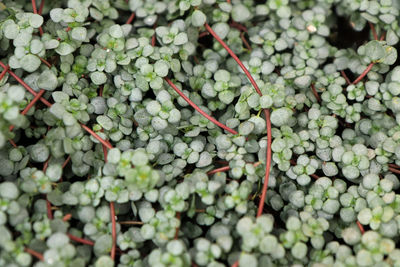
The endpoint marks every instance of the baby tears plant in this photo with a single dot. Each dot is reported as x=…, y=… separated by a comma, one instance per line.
x=199, y=133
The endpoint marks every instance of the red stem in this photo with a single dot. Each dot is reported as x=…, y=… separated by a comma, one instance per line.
x=236, y=264
x=253, y=82
x=105, y=153
x=34, y=7
x=238, y=26
x=130, y=19
x=12, y=143
x=223, y=126
x=80, y=240
x=268, y=165
x=227, y=168
x=27, y=87
x=45, y=62
x=36, y=12
x=48, y=204
x=360, y=227
x=202, y=34
x=41, y=7
x=266, y=112
x=153, y=38
x=66, y=162
x=45, y=165
x=104, y=147
x=222, y=169
x=114, y=231
x=101, y=91
x=106, y=143
x=49, y=213
x=47, y=103
x=394, y=165
x=373, y=30
x=315, y=92
x=4, y=72
x=365, y=72
x=394, y=170
x=32, y=103
x=36, y=254
x=345, y=76
x=67, y=217
x=245, y=41
x=382, y=36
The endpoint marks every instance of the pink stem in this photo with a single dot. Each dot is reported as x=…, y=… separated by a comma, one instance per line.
x=114, y=230
x=107, y=144
x=365, y=72
x=223, y=126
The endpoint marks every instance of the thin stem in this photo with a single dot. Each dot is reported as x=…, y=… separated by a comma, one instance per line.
x=222, y=169
x=12, y=143
x=373, y=30
x=113, y=231
x=104, y=147
x=36, y=12
x=32, y=103
x=4, y=72
x=36, y=254
x=41, y=7
x=80, y=240
x=268, y=165
x=266, y=112
x=227, y=168
x=45, y=62
x=314, y=176
x=246, y=44
x=190, y=102
x=66, y=162
x=130, y=19
x=45, y=165
x=315, y=92
x=131, y=223
x=394, y=170
x=382, y=36
x=365, y=72
x=394, y=166
x=202, y=34
x=153, y=38
x=345, y=76
x=105, y=153
x=107, y=144
x=67, y=217
x=238, y=26
x=34, y=7
x=360, y=227
x=101, y=91
x=253, y=82
x=48, y=206
x=26, y=86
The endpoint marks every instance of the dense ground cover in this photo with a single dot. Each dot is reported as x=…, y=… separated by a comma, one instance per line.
x=199, y=133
